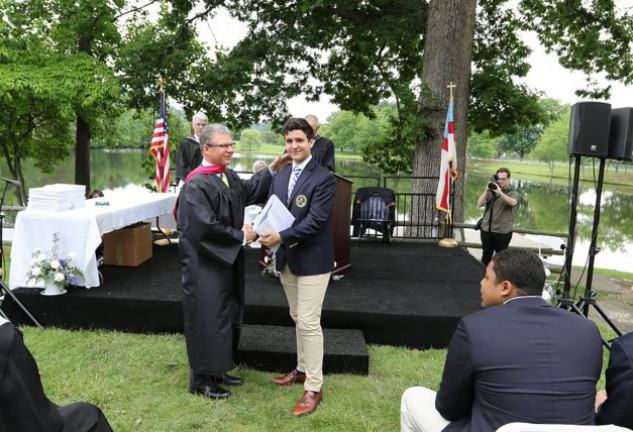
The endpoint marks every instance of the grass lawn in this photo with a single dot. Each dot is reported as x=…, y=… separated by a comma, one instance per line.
x=140, y=382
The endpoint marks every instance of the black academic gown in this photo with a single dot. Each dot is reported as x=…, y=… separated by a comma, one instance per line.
x=189, y=156
x=23, y=404
x=323, y=152
x=210, y=219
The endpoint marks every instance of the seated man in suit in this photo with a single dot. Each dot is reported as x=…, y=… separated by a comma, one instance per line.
x=23, y=405
x=613, y=405
x=519, y=360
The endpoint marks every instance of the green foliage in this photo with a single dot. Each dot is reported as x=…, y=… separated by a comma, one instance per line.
x=483, y=145
x=134, y=129
x=52, y=74
x=250, y=140
x=552, y=146
x=523, y=141
x=351, y=132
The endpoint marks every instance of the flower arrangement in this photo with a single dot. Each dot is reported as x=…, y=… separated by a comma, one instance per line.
x=269, y=265
x=53, y=266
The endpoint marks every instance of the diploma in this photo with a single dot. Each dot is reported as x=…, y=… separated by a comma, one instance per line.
x=274, y=217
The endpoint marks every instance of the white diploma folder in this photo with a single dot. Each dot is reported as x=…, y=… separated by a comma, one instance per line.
x=274, y=217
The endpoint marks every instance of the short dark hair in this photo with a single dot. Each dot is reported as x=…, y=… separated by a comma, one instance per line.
x=295, y=123
x=504, y=170
x=521, y=267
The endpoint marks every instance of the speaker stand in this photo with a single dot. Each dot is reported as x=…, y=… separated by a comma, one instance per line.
x=565, y=301
x=581, y=307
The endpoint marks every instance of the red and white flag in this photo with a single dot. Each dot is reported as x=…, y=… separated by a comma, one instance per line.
x=160, y=147
x=448, y=164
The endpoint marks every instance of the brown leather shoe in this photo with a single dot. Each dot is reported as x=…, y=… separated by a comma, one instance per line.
x=307, y=404
x=289, y=379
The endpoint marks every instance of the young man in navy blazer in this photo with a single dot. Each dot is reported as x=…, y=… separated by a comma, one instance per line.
x=616, y=408
x=305, y=256
x=519, y=360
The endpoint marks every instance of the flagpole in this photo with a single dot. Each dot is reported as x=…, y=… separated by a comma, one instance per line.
x=160, y=140
x=448, y=242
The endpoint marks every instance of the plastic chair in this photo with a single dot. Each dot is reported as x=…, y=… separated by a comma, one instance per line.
x=527, y=427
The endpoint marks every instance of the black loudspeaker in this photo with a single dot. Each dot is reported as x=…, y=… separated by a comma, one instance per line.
x=589, y=125
x=621, y=134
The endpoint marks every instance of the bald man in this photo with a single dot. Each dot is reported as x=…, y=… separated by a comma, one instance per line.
x=323, y=148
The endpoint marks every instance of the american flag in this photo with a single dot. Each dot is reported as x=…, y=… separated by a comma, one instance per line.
x=448, y=164
x=160, y=147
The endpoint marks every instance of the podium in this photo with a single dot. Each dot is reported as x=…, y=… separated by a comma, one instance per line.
x=340, y=224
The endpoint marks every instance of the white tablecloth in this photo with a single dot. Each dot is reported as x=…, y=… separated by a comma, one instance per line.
x=80, y=231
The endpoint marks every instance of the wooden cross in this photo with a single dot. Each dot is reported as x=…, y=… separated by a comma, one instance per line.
x=450, y=87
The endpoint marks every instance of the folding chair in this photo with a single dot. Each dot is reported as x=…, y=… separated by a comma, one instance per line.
x=527, y=427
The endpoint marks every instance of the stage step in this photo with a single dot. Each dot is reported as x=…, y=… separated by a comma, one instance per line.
x=273, y=349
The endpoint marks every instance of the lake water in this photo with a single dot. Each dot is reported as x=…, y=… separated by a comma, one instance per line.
x=542, y=206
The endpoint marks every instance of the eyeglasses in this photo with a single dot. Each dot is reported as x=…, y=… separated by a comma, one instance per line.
x=503, y=178
x=222, y=146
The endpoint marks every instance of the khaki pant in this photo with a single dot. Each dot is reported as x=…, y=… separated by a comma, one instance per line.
x=305, y=297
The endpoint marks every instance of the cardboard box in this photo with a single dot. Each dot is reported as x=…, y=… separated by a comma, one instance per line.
x=128, y=246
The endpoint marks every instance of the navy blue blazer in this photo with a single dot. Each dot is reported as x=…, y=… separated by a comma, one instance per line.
x=524, y=361
x=307, y=245
x=619, y=377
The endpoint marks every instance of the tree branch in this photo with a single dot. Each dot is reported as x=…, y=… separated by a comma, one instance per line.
x=135, y=9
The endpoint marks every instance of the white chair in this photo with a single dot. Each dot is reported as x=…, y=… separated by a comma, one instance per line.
x=527, y=427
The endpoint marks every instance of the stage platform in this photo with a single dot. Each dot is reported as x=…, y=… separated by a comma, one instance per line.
x=407, y=293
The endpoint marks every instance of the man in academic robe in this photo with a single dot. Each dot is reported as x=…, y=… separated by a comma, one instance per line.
x=210, y=213
x=189, y=155
x=322, y=149
x=305, y=258
x=23, y=405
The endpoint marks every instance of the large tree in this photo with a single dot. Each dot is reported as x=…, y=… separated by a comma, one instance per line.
x=408, y=51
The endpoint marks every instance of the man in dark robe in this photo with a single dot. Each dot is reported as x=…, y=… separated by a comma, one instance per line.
x=210, y=223
x=23, y=405
x=322, y=149
x=189, y=156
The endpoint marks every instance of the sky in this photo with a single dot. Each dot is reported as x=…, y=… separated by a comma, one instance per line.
x=545, y=75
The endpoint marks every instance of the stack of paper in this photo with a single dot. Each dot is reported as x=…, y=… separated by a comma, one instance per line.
x=274, y=217
x=56, y=197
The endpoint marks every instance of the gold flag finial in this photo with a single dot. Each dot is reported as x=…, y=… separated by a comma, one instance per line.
x=161, y=82
x=450, y=87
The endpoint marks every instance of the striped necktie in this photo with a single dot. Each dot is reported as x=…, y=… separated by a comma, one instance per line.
x=296, y=172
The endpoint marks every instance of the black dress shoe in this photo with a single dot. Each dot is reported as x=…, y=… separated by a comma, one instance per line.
x=228, y=380
x=211, y=390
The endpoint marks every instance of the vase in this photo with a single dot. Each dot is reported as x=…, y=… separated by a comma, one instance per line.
x=52, y=289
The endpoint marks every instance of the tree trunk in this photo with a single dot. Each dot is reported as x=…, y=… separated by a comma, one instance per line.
x=447, y=58
x=82, y=154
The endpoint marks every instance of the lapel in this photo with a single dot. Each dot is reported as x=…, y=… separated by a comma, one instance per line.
x=303, y=178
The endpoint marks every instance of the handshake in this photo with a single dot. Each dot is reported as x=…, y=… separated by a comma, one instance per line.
x=249, y=233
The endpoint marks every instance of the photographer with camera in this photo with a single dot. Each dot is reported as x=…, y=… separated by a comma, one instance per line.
x=498, y=219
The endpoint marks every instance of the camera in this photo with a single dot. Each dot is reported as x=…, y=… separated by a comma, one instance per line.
x=493, y=184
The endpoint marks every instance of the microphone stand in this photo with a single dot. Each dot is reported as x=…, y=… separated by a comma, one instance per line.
x=3, y=287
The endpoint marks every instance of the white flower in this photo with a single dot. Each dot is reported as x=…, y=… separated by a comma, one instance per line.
x=35, y=271
x=54, y=264
x=32, y=262
x=58, y=277
x=37, y=251
x=72, y=255
x=40, y=257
